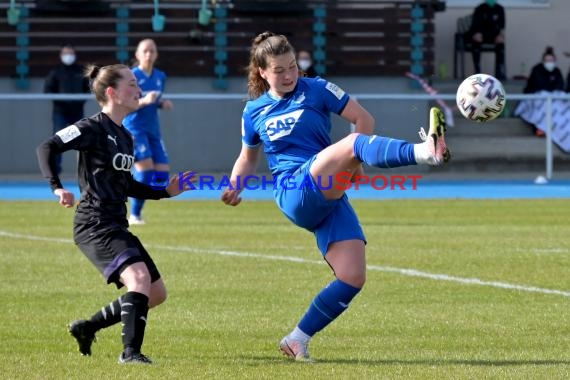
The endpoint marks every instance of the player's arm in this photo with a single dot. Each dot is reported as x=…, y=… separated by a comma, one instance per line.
x=141, y=190
x=177, y=184
x=150, y=98
x=359, y=116
x=166, y=104
x=245, y=165
x=67, y=139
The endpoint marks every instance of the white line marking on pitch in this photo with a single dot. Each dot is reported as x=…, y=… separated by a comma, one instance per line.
x=402, y=271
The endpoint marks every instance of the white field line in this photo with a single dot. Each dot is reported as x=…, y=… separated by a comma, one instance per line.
x=402, y=271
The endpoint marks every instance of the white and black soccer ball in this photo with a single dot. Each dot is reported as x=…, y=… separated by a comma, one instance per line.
x=481, y=97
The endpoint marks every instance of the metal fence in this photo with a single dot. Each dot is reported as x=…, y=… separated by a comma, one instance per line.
x=239, y=98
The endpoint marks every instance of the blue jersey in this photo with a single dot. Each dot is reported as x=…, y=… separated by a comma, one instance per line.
x=294, y=128
x=146, y=118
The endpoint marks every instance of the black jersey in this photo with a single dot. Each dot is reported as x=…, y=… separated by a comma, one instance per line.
x=104, y=165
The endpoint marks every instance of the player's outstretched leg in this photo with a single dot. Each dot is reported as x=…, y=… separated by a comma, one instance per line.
x=386, y=152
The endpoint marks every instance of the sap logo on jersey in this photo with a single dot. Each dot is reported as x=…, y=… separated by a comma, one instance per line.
x=282, y=125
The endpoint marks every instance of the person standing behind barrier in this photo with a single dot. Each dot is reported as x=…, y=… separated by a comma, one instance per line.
x=66, y=78
x=290, y=117
x=151, y=159
x=100, y=227
x=488, y=26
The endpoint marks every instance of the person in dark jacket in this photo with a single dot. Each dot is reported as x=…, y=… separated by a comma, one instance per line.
x=305, y=63
x=66, y=78
x=544, y=76
x=488, y=27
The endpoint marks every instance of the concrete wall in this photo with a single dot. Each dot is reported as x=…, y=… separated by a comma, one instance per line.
x=528, y=32
x=201, y=135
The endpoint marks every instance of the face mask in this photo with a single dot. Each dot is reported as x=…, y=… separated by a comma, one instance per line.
x=549, y=65
x=304, y=64
x=67, y=59
x=491, y=2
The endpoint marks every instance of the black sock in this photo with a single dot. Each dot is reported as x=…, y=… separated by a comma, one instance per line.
x=107, y=316
x=134, y=309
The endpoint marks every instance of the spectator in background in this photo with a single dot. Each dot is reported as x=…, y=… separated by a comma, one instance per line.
x=66, y=78
x=568, y=82
x=488, y=27
x=305, y=63
x=544, y=77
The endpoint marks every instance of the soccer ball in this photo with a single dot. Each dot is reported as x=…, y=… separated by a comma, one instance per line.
x=481, y=97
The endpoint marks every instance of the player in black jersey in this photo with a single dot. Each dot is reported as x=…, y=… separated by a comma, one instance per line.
x=100, y=225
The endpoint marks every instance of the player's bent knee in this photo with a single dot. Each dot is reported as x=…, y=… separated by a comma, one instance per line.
x=353, y=279
x=157, y=298
x=158, y=293
x=349, y=141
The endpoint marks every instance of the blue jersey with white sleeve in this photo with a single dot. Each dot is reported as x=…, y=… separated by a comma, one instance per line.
x=296, y=127
x=145, y=119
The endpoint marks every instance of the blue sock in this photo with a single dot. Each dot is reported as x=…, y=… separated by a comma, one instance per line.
x=145, y=177
x=327, y=305
x=160, y=179
x=384, y=152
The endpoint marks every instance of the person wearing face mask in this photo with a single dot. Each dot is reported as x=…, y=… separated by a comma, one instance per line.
x=306, y=64
x=545, y=76
x=488, y=27
x=66, y=78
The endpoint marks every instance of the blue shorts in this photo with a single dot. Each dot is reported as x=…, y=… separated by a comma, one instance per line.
x=305, y=205
x=150, y=146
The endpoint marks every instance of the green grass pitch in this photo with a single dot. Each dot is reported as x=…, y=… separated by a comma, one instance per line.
x=456, y=289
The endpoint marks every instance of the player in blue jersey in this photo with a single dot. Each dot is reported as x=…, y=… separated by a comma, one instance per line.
x=290, y=117
x=151, y=160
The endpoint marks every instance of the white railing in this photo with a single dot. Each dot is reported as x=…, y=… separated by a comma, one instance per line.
x=365, y=96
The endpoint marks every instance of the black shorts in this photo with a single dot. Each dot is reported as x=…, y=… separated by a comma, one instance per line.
x=111, y=247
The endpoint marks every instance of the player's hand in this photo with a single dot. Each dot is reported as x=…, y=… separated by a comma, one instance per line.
x=500, y=39
x=166, y=105
x=231, y=197
x=150, y=98
x=66, y=198
x=181, y=182
x=478, y=37
x=358, y=173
